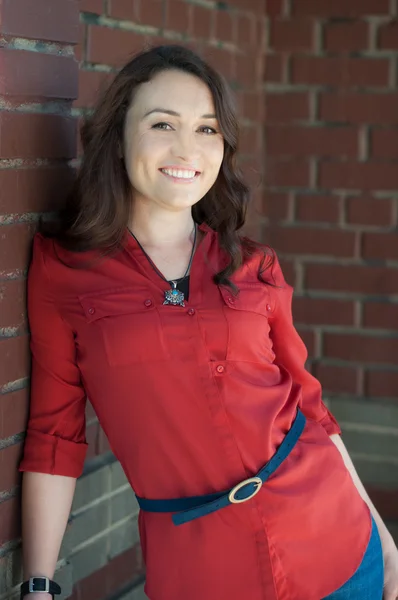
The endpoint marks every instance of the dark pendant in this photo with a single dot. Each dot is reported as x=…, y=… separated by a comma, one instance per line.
x=174, y=296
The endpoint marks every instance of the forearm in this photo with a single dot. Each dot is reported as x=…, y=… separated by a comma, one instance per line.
x=385, y=535
x=46, y=505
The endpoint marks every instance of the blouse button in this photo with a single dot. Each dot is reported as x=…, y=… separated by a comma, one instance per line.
x=191, y=311
x=220, y=369
x=268, y=307
x=91, y=311
x=148, y=302
x=231, y=300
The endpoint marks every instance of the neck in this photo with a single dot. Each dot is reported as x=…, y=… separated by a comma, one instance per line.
x=160, y=228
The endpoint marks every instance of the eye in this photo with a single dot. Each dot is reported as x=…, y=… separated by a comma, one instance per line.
x=207, y=130
x=162, y=125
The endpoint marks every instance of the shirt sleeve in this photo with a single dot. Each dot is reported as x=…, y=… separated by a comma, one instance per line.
x=291, y=353
x=55, y=439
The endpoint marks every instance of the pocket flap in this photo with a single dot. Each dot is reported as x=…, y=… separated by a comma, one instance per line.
x=112, y=303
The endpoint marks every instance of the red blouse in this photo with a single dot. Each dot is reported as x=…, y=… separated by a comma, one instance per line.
x=194, y=400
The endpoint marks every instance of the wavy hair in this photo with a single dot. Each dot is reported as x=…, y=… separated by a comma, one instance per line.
x=98, y=209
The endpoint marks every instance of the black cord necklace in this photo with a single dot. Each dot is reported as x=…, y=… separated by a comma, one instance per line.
x=172, y=296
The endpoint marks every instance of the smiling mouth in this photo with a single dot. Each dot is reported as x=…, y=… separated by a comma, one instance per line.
x=183, y=175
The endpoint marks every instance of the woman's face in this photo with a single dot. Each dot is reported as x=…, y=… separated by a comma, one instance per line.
x=173, y=148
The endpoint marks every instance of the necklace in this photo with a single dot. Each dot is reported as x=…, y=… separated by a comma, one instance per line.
x=172, y=296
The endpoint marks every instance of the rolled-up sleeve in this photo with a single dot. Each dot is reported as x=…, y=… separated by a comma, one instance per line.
x=55, y=439
x=291, y=353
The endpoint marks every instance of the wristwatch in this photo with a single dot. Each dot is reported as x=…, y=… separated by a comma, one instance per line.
x=40, y=584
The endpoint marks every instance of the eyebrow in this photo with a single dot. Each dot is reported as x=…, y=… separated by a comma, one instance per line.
x=175, y=114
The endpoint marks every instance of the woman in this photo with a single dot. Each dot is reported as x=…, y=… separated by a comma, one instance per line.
x=179, y=331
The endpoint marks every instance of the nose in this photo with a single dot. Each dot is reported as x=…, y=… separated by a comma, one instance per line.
x=186, y=147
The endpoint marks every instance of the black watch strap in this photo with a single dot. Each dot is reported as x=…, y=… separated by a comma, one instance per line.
x=39, y=584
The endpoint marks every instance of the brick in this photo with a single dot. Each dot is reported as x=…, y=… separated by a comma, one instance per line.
x=91, y=85
x=380, y=315
x=308, y=338
x=291, y=35
x=38, y=75
x=364, y=411
x=10, y=520
x=251, y=105
x=13, y=303
x=120, y=572
x=274, y=8
x=318, y=242
x=90, y=523
x=346, y=37
x=177, y=16
x=336, y=379
x=123, y=505
x=381, y=383
x=91, y=6
x=14, y=359
x=124, y=10
x=14, y=410
x=246, y=29
x=220, y=59
x=360, y=176
x=113, y=47
x=285, y=108
x=317, y=209
x=201, y=22
x=386, y=502
x=295, y=173
x=247, y=5
x=323, y=311
x=80, y=48
x=369, y=211
x=351, y=279
x=342, y=72
x=19, y=136
x=15, y=246
x=380, y=246
x=311, y=141
x=224, y=26
x=151, y=13
x=274, y=68
x=380, y=109
x=360, y=348
x=276, y=206
x=250, y=140
x=388, y=36
x=38, y=189
x=121, y=538
x=340, y=8
x=55, y=21
x=10, y=458
x=384, y=143
x=381, y=443
x=248, y=71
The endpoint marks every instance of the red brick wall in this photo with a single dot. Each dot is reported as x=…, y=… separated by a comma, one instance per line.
x=55, y=56
x=331, y=208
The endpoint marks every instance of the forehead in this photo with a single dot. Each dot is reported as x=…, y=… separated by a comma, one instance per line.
x=173, y=90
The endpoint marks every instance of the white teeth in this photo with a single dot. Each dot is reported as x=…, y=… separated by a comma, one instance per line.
x=179, y=174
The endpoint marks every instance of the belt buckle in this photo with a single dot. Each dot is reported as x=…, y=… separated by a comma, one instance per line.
x=242, y=484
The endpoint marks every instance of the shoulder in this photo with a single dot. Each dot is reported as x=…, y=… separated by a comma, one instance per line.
x=263, y=261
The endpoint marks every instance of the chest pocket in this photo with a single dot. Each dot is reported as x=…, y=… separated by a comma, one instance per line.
x=248, y=316
x=129, y=324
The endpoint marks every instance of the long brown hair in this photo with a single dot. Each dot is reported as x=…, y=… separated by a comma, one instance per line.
x=98, y=209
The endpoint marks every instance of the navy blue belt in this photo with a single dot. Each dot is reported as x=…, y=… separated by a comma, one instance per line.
x=188, y=509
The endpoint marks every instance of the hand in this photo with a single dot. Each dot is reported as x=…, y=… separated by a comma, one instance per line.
x=390, y=573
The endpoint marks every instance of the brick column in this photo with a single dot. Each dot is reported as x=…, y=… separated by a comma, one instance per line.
x=38, y=82
x=331, y=209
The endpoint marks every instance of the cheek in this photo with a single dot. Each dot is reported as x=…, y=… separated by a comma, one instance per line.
x=214, y=157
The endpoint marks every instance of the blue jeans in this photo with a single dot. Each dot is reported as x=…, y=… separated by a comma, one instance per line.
x=368, y=580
